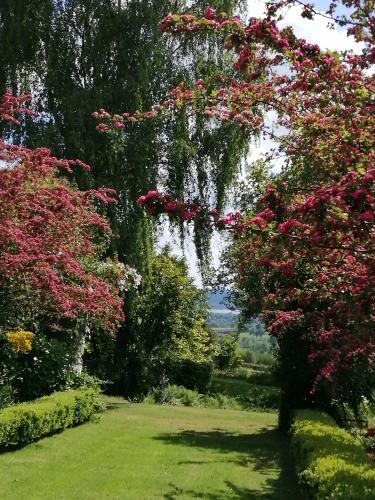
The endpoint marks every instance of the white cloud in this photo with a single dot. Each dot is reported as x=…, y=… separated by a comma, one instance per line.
x=314, y=31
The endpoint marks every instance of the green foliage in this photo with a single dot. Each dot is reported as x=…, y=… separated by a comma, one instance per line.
x=228, y=355
x=258, y=358
x=99, y=355
x=263, y=378
x=191, y=374
x=236, y=396
x=169, y=325
x=256, y=376
x=295, y=375
x=180, y=396
x=254, y=342
x=82, y=56
x=366, y=438
x=82, y=380
x=330, y=461
x=247, y=393
x=174, y=395
x=26, y=422
x=260, y=396
x=41, y=371
x=8, y=395
x=75, y=57
x=231, y=386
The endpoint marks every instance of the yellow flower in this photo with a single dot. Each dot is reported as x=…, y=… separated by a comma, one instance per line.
x=20, y=340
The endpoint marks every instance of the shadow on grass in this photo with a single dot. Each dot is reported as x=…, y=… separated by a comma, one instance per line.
x=116, y=405
x=261, y=452
x=235, y=493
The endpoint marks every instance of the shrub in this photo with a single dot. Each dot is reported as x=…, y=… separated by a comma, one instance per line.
x=180, y=396
x=228, y=356
x=331, y=462
x=83, y=380
x=27, y=422
x=175, y=395
x=262, y=397
x=266, y=358
x=242, y=373
x=223, y=402
x=7, y=395
x=41, y=371
x=366, y=437
x=193, y=375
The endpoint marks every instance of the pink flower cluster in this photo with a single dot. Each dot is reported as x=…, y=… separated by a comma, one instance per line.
x=46, y=228
x=11, y=105
x=156, y=203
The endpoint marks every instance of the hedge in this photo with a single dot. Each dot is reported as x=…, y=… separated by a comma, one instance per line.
x=330, y=461
x=27, y=422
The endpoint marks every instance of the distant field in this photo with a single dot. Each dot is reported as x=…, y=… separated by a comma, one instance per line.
x=220, y=332
x=153, y=452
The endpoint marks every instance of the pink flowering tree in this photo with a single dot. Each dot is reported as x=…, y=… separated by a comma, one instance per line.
x=48, y=232
x=304, y=256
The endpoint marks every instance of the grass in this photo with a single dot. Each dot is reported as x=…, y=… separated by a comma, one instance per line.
x=153, y=452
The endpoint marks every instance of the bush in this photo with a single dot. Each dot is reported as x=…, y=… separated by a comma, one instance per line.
x=259, y=377
x=263, y=397
x=228, y=356
x=41, y=371
x=180, y=396
x=83, y=380
x=26, y=422
x=331, y=462
x=366, y=437
x=193, y=375
x=7, y=395
x=174, y=395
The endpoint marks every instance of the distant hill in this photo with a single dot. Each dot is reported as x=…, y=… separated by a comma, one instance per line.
x=217, y=300
x=223, y=320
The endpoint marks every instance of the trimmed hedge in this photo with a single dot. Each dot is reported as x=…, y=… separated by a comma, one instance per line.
x=330, y=461
x=26, y=422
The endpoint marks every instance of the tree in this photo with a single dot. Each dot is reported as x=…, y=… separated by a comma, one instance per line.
x=170, y=326
x=47, y=227
x=305, y=256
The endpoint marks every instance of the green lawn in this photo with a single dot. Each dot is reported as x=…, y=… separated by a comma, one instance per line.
x=149, y=452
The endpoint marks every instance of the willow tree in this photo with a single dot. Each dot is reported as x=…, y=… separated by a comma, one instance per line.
x=77, y=56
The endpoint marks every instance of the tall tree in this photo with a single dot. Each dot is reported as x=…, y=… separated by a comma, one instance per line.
x=77, y=56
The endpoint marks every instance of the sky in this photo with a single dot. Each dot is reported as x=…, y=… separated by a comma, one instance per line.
x=315, y=31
